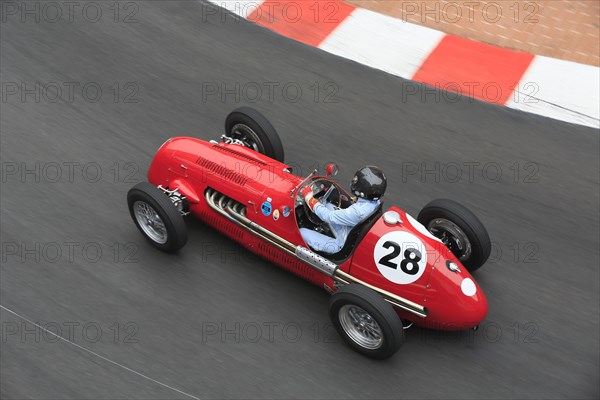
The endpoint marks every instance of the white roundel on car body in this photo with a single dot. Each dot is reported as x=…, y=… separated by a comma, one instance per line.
x=468, y=287
x=420, y=228
x=400, y=257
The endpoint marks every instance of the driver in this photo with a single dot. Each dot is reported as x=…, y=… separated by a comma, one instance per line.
x=368, y=185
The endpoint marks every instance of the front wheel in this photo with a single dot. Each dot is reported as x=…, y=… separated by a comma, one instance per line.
x=156, y=217
x=459, y=229
x=366, y=321
x=255, y=131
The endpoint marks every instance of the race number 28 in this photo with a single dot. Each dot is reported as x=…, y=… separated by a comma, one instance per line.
x=400, y=257
x=410, y=262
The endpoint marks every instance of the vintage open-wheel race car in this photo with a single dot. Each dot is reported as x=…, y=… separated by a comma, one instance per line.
x=393, y=270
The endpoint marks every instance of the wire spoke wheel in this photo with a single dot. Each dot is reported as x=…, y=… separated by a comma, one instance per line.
x=150, y=222
x=247, y=136
x=251, y=129
x=360, y=327
x=460, y=231
x=452, y=236
x=157, y=217
x=366, y=321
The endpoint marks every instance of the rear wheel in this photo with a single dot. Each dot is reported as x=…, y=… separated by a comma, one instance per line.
x=255, y=131
x=156, y=217
x=366, y=321
x=459, y=229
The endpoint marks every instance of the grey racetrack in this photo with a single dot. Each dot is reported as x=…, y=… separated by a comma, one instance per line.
x=216, y=322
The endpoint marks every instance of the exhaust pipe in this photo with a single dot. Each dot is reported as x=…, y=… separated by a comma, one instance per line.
x=235, y=212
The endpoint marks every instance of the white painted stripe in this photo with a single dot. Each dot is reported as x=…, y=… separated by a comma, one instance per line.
x=560, y=90
x=243, y=8
x=382, y=42
x=98, y=355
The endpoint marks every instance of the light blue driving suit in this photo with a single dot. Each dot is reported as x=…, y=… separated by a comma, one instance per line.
x=341, y=222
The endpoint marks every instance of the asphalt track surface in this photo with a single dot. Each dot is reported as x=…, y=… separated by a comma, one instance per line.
x=540, y=339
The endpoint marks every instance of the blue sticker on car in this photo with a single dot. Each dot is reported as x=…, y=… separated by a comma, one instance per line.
x=266, y=208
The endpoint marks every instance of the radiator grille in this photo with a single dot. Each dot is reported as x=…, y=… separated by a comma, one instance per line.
x=238, y=154
x=225, y=172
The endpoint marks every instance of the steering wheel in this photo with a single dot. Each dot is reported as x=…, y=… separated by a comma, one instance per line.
x=317, y=187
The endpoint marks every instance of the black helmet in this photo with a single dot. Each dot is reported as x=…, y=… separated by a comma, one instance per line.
x=369, y=183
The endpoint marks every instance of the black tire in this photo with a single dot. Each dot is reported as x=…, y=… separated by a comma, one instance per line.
x=470, y=225
x=265, y=136
x=390, y=325
x=176, y=231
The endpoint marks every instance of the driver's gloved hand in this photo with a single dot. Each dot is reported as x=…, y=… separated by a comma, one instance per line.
x=309, y=198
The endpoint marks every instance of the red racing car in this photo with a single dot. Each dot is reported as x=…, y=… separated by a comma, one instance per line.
x=393, y=270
